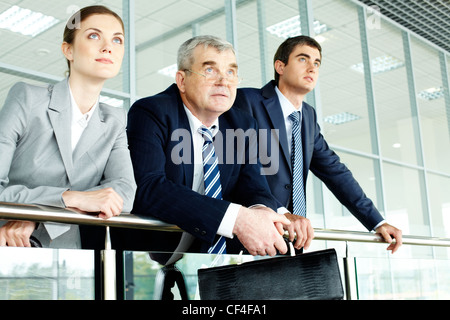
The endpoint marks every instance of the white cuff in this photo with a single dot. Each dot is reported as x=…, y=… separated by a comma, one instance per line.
x=229, y=219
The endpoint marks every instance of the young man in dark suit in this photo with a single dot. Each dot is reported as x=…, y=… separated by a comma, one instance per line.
x=296, y=63
x=166, y=151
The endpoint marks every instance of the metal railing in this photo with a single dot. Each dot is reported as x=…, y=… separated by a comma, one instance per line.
x=11, y=211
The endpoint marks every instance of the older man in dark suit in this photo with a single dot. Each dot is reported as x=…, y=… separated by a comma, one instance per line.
x=166, y=137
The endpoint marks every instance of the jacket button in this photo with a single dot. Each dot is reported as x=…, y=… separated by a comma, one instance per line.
x=196, y=230
x=203, y=233
x=288, y=186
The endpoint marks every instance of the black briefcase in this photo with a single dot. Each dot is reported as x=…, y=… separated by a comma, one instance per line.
x=307, y=276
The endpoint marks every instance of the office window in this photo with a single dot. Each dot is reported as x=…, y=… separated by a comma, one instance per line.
x=261, y=27
x=431, y=105
x=405, y=202
x=439, y=198
x=161, y=27
x=393, y=106
x=342, y=86
x=364, y=171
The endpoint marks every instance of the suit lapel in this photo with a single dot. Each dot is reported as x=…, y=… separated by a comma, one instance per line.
x=308, y=124
x=183, y=123
x=93, y=132
x=59, y=112
x=273, y=108
x=220, y=145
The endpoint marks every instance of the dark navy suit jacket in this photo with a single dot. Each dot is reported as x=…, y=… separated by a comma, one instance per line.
x=164, y=185
x=264, y=106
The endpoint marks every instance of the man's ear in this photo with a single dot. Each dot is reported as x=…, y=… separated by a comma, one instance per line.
x=279, y=67
x=180, y=79
x=66, y=49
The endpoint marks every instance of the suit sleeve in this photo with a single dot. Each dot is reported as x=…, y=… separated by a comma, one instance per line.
x=326, y=165
x=14, y=123
x=149, y=136
x=118, y=173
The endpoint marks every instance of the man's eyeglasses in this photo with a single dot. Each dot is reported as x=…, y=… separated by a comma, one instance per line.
x=212, y=75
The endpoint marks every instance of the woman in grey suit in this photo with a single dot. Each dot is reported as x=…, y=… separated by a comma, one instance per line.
x=59, y=146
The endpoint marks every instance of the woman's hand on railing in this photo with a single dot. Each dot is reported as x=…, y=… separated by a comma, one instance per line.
x=105, y=201
x=16, y=233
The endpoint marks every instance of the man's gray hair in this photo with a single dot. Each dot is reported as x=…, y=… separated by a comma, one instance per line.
x=185, y=52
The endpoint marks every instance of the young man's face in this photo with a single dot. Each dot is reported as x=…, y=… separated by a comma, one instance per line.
x=301, y=72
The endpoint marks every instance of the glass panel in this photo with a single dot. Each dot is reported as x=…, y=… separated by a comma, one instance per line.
x=391, y=94
x=160, y=30
x=46, y=274
x=439, y=198
x=8, y=80
x=337, y=216
x=342, y=88
x=250, y=34
x=145, y=273
x=42, y=52
x=404, y=199
x=248, y=45
x=405, y=279
x=431, y=103
x=314, y=203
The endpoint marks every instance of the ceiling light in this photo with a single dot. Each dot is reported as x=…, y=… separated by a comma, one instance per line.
x=42, y=52
x=397, y=145
x=380, y=64
x=291, y=28
x=25, y=21
x=431, y=94
x=169, y=71
x=341, y=118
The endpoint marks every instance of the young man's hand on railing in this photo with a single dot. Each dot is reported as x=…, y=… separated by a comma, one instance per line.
x=389, y=233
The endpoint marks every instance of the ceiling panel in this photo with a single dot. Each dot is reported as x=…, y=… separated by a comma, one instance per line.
x=427, y=18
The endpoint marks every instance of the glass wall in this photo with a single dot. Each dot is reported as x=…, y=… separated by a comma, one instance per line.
x=46, y=274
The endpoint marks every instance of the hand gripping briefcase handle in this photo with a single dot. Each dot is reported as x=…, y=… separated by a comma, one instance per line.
x=307, y=276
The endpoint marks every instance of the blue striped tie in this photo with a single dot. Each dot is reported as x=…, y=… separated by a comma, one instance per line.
x=211, y=173
x=298, y=190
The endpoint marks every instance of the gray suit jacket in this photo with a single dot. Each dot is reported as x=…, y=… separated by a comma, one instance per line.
x=36, y=160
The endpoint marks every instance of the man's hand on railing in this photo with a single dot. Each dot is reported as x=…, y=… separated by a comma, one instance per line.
x=16, y=233
x=105, y=201
x=260, y=231
x=299, y=230
x=389, y=233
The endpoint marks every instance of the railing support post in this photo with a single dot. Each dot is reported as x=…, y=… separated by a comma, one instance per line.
x=109, y=269
x=351, y=288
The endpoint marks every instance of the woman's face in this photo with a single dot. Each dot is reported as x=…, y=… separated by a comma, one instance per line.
x=98, y=48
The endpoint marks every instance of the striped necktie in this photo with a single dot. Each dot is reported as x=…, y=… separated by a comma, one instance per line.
x=298, y=190
x=211, y=175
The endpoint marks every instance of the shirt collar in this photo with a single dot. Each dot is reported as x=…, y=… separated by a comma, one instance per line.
x=195, y=123
x=286, y=106
x=77, y=116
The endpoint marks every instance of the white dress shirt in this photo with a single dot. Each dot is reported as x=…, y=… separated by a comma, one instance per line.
x=79, y=120
x=229, y=219
x=287, y=108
